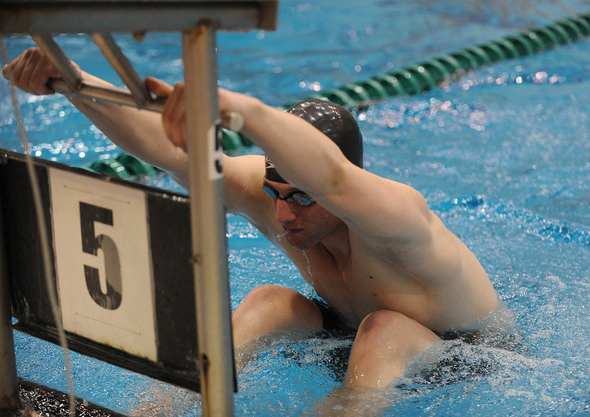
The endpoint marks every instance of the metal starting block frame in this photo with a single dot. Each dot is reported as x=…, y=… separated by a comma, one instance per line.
x=94, y=218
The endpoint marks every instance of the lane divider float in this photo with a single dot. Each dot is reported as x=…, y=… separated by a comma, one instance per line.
x=414, y=79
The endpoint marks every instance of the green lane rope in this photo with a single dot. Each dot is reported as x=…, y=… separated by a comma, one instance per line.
x=123, y=166
x=406, y=81
x=427, y=75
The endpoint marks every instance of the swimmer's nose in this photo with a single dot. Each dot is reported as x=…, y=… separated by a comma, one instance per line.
x=285, y=212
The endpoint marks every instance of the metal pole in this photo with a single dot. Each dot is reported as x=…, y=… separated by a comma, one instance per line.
x=59, y=60
x=113, y=94
x=9, y=397
x=124, y=68
x=208, y=222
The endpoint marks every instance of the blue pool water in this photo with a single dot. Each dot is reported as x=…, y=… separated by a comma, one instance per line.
x=502, y=155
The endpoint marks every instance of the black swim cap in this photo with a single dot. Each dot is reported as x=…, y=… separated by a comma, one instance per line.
x=333, y=121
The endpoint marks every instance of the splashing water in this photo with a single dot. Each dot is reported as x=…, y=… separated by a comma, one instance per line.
x=280, y=236
x=313, y=292
x=504, y=163
x=308, y=266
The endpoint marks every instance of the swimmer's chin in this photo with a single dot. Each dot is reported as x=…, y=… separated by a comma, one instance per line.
x=298, y=244
x=296, y=238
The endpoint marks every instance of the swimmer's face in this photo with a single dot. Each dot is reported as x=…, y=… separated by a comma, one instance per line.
x=303, y=226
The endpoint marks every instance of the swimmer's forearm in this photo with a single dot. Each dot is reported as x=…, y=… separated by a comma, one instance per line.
x=137, y=132
x=303, y=155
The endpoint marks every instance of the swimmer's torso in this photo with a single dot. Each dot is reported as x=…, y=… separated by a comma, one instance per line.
x=441, y=285
x=450, y=290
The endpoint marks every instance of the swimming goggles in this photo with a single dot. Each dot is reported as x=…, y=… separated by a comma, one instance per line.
x=297, y=197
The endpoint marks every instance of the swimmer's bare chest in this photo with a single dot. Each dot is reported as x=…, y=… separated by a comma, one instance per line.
x=358, y=288
x=434, y=295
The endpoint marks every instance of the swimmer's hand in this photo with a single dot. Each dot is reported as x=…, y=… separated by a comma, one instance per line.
x=174, y=114
x=6, y=72
x=31, y=72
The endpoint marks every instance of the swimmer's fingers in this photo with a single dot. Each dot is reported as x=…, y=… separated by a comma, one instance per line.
x=225, y=101
x=6, y=72
x=31, y=72
x=173, y=116
x=174, y=113
x=231, y=114
x=158, y=87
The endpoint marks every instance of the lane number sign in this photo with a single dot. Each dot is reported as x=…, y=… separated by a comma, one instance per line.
x=104, y=275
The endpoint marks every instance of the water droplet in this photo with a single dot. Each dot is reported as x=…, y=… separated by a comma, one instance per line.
x=308, y=266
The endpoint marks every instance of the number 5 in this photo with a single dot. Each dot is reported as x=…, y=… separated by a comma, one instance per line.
x=90, y=214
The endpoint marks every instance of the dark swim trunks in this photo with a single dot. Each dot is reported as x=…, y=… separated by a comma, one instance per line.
x=333, y=327
x=498, y=329
x=331, y=322
x=469, y=351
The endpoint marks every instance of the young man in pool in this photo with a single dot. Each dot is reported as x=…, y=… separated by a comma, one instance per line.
x=371, y=248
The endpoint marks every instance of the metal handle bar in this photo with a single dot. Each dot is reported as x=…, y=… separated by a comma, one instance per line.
x=92, y=90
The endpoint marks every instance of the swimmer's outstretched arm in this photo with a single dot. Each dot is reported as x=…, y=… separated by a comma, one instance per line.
x=267, y=127
x=141, y=133
x=375, y=207
x=138, y=132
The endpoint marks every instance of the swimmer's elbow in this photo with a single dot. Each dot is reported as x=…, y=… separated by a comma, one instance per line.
x=336, y=179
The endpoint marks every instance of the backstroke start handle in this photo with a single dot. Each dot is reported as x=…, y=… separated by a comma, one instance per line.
x=89, y=89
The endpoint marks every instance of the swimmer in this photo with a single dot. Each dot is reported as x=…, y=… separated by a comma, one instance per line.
x=383, y=262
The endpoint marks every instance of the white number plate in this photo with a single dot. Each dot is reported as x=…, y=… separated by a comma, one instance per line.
x=103, y=262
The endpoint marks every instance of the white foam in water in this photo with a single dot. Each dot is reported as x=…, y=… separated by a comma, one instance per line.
x=501, y=155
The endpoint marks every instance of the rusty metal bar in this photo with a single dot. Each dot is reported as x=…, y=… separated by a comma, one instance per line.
x=60, y=61
x=208, y=222
x=121, y=64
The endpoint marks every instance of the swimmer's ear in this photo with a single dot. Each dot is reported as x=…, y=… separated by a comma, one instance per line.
x=158, y=87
